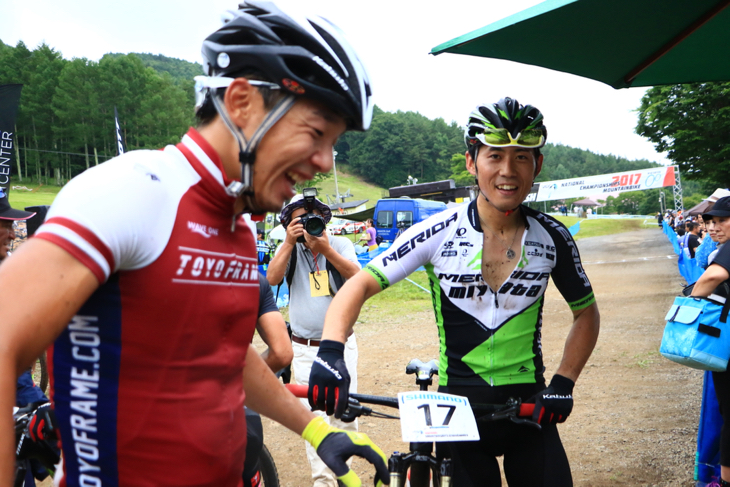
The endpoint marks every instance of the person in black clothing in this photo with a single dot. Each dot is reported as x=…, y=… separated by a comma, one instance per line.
x=717, y=273
x=271, y=327
x=694, y=240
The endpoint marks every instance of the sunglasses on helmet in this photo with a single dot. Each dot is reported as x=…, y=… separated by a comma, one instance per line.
x=494, y=137
x=205, y=83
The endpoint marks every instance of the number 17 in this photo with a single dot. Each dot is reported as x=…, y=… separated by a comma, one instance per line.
x=427, y=412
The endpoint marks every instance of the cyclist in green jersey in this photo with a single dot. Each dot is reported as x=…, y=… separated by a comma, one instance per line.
x=489, y=263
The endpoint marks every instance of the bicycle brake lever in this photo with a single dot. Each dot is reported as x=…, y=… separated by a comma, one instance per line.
x=528, y=422
x=354, y=409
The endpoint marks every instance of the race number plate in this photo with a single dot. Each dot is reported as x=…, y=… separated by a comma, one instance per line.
x=433, y=416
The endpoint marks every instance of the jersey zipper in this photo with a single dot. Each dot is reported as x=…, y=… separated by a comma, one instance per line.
x=494, y=324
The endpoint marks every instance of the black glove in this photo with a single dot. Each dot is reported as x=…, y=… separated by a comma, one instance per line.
x=554, y=404
x=42, y=424
x=329, y=381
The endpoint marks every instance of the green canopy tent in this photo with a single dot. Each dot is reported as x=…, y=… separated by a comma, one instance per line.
x=621, y=43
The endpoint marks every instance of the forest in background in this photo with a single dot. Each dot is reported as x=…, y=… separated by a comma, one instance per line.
x=66, y=124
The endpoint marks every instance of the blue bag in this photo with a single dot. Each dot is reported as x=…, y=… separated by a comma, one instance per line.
x=697, y=334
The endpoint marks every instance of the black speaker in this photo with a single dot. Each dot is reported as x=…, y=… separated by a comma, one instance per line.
x=36, y=220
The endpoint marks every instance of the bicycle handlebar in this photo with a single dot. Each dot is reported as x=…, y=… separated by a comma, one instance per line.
x=517, y=408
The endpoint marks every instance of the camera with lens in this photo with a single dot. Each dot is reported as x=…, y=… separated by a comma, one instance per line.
x=313, y=223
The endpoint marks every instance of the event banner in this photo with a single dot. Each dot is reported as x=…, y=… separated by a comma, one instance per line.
x=642, y=179
x=9, y=99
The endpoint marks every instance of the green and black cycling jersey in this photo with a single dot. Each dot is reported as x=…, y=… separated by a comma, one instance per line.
x=487, y=337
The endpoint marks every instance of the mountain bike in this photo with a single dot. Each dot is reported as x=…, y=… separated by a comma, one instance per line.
x=267, y=468
x=419, y=465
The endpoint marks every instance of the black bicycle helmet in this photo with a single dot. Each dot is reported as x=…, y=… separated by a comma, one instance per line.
x=304, y=56
x=522, y=122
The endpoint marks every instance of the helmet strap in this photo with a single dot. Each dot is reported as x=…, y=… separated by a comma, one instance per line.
x=247, y=148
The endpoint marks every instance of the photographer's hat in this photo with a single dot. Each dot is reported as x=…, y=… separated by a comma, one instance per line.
x=9, y=213
x=298, y=202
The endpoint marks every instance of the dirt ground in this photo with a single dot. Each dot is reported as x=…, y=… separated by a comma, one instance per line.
x=636, y=413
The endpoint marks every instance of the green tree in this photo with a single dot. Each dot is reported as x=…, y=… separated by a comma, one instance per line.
x=691, y=123
x=399, y=145
x=164, y=113
x=181, y=72
x=560, y=172
x=46, y=65
x=76, y=105
x=459, y=174
x=122, y=84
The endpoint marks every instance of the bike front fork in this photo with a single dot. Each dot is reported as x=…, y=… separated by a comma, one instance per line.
x=421, y=464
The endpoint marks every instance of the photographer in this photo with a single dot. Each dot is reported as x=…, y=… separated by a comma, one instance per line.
x=315, y=266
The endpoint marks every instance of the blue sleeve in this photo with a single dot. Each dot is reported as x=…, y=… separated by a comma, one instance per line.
x=704, y=251
x=26, y=391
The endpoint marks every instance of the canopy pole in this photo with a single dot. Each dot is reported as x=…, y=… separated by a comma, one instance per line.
x=679, y=38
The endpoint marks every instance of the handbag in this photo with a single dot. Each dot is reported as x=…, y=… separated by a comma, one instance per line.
x=697, y=334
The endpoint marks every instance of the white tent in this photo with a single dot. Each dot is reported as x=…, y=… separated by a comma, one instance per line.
x=719, y=193
x=705, y=204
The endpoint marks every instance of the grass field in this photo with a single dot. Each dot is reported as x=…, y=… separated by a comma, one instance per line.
x=44, y=195
x=596, y=228
x=39, y=195
x=360, y=190
x=399, y=300
x=404, y=297
x=568, y=221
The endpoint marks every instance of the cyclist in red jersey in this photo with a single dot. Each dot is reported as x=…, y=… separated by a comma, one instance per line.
x=145, y=275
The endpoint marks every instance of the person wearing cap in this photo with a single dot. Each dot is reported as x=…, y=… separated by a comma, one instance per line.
x=314, y=270
x=26, y=391
x=144, y=277
x=717, y=273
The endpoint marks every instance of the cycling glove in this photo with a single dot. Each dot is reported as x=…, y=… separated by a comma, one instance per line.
x=554, y=404
x=335, y=446
x=329, y=381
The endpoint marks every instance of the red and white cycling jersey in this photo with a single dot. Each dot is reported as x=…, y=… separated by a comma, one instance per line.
x=147, y=376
